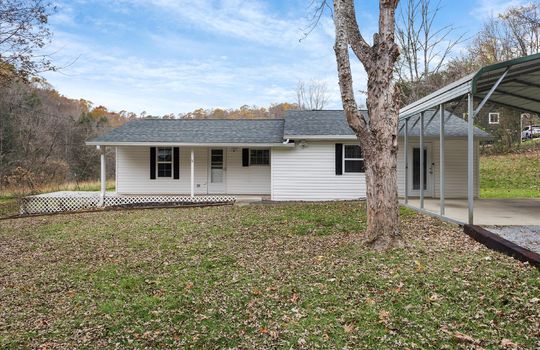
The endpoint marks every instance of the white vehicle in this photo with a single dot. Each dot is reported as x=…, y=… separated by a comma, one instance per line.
x=526, y=133
x=530, y=132
x=535, y=131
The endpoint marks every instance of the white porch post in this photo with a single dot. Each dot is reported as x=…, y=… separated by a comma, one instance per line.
x=422, y=160
x=103, y=175
x=441, y=159
x=470, y=158
x=406, y=157
x=192, y=174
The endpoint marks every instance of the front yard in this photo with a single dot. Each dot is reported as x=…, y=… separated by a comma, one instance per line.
x=262, y=276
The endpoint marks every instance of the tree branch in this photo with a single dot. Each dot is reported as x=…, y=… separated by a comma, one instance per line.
x=341, y=48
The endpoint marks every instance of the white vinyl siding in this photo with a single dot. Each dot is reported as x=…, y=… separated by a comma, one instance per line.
x=300, y=173
x=308, y=173
x=455, y=167
x=253, y=179
x=133, y=173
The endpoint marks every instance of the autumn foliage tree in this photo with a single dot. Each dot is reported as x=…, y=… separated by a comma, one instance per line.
x=24, y=31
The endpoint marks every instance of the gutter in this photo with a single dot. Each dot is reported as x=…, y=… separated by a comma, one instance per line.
x=180, y=144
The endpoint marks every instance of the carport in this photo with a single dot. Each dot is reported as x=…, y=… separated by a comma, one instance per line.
x=514, y=84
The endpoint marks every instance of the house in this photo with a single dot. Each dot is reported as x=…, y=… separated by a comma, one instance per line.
x=307, y=155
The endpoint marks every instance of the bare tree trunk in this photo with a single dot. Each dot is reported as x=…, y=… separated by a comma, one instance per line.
x=381, y=190
x=378, y=137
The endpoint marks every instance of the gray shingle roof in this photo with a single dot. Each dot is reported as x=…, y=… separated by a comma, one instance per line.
x=324, y=123
x=197, y=131
x=265, y=131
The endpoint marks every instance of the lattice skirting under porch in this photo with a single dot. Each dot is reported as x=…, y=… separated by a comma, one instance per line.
x=75, y=201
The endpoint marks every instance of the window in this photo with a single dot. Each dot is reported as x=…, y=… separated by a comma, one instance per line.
x=259, y=157
x=164, y=162
x=494, y=118
x=353, y=159
x=216, y=165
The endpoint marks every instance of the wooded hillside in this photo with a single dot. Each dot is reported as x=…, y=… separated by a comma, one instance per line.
x=42, y=135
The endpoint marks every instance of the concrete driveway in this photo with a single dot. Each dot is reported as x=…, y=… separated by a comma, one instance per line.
x=489, y=212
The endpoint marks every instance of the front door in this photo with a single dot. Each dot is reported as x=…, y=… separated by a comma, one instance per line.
x=414, y=170
x=217, y=174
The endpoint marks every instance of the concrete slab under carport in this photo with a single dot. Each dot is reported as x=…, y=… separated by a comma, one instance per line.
x=487, y=212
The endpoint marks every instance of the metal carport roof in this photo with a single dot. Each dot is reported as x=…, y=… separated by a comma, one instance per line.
x=519, y=89
x=514, y=83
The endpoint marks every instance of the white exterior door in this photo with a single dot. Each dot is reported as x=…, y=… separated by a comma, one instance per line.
x=414, y=170
x=217, y=174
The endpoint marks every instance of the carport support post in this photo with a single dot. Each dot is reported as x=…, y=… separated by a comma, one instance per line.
x=103, y=175
x=422, y=160
x=470, y=157
x=441, y=158
x=192, y=174
x=406, y=156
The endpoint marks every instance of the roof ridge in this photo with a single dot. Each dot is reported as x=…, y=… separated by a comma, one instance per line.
x=195, y=119
x=321, y=110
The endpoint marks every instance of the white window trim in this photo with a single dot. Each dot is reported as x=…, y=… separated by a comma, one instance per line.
x=494, y=114
x=353, y=159
x=259, y=149
x=164, y=162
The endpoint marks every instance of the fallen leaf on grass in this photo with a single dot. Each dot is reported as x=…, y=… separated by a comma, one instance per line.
x=464, y=338
x=419, y=266
x=434, y=297
x=348, y=328
x=384, y=316
x=294, y=298
x=508, y=344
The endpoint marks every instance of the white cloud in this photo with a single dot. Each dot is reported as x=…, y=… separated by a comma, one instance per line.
x=189, y=73
x=491, y=8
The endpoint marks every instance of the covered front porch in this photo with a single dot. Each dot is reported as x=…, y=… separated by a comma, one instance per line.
x=189, y=170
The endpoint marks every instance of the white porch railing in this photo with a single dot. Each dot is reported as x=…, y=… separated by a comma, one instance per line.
x=74, y=201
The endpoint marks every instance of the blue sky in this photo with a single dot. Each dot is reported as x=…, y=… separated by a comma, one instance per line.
x=167, y=56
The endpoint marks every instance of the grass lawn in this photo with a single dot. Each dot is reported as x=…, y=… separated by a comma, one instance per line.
x=8, y=206
x=513, y=175
x=262, y=276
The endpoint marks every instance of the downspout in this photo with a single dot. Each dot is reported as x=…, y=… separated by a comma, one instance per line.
x=286, y=142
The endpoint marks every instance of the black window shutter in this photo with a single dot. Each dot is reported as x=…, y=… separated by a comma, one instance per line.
x=152, y=163
x=245, y=156
x=176, y=163
x=339, y=159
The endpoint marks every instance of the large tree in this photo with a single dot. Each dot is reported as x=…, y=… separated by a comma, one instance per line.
x=514, y=33
x=378, y=134
x=24, y=31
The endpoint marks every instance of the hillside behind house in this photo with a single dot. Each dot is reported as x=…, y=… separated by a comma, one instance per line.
x=514, y=174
